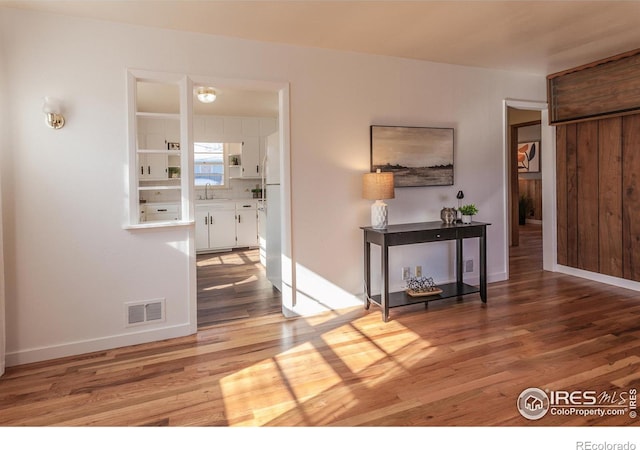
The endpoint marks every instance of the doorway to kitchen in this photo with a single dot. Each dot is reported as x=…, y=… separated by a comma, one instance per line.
x=233, y=272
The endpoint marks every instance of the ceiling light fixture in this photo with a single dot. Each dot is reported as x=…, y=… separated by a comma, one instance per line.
x=206, y=94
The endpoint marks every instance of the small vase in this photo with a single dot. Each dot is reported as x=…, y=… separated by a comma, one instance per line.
x=466, y=219
x=448, y=215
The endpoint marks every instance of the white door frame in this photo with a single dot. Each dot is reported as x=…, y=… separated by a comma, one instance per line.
x=288, y=275
x=548, y=166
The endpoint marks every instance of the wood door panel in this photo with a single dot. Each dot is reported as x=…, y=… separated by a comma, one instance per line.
x=631, y=196
x=572, y=197
x=561, y=187
x=587, y=196
x=610, y=195
x=598, y=196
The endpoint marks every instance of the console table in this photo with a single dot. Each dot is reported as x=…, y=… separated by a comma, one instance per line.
x=418, y=233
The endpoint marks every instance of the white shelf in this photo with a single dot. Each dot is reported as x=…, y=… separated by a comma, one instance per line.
x=158, y=115
x=160, y=152
x=159, y=188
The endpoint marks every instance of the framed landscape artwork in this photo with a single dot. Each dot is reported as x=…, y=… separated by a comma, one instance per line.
x=529, y=157
x=417, y=156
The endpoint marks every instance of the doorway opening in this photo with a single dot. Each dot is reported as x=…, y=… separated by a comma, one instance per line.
x=240, y=213
x=525, y=151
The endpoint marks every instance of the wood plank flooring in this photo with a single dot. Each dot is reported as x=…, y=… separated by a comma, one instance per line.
x=459, y=362
x=234, y=285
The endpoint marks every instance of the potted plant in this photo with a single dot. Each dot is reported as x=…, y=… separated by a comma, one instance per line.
x=468, y=211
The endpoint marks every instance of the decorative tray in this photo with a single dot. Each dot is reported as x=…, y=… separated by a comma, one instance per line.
x=413, y=293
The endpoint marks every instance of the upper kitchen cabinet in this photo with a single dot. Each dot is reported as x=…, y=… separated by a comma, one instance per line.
x=251, y=167
x=246, y=158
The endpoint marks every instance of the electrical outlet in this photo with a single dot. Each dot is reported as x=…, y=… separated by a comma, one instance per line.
x=418, y=271
x=406, y=273
x=468, y=265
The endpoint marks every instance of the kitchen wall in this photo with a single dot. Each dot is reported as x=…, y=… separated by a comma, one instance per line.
x=69, y=263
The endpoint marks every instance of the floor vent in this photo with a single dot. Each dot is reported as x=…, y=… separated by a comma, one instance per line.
x=138, y=313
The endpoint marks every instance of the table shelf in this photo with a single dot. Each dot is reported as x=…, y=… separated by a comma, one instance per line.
x=449, y=290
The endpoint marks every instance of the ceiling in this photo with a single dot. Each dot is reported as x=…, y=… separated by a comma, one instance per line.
x=158, y=97
x=539, y=37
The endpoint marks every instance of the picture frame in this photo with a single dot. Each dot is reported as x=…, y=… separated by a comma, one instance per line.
x=528, y=157
x=173, y=145
x=417, y=156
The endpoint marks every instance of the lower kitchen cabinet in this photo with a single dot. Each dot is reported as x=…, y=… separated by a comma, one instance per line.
x=215, y=226
x=246, y=224
x=226, y=225
x=159, y=212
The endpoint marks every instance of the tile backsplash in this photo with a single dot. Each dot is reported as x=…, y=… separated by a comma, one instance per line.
x=238, y=188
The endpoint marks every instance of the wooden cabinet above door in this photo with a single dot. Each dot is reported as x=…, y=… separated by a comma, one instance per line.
x=605, y=88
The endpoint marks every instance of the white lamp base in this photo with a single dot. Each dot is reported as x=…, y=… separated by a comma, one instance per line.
x=379, y=215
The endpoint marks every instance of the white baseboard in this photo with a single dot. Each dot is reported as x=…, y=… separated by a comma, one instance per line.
x=96, y=345
x=600, y=278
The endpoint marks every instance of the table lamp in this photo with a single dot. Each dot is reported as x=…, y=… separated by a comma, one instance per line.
x=378, y=186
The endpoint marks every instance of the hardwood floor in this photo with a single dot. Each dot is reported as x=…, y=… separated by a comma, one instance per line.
x=234, y=285
x=459, y=362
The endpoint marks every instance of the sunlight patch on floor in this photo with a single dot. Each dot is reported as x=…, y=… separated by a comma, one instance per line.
x=233, y=259
x=250, y=279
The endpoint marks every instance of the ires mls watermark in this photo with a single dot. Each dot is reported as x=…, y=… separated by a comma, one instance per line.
x=534, y=403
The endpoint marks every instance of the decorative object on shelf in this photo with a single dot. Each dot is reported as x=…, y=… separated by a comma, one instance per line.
x=525, y=204
x=378, y=186
x=459, y=196
x=417, y=156
x=422, y=287
x=448, y=215
x=529, y=157
x=53, y=111
x=205, y=94
x=173, y=145
x=257, y=192
x=174, y=172
x=468, y=211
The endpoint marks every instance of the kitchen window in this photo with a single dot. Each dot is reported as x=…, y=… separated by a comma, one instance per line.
x=208, y=159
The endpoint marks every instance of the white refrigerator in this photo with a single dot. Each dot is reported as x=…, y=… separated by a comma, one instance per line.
x=272, y=210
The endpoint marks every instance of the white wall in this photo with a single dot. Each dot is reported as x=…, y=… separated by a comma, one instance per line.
x=71, y=265
x=4, y=146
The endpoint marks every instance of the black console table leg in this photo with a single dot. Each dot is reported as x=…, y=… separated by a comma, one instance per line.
x=384, y=289
x=459, y=261
x=483, y=266
x=367, y=273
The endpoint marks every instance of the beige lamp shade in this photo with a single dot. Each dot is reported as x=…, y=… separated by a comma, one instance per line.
x=378, y=185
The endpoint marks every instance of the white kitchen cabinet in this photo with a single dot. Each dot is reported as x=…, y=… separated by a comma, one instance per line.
x=156, y=133
x=226, y=224
x=152, y=166
x=246, y=224
x=215, y=226
x=161, y=212
x=251, y=157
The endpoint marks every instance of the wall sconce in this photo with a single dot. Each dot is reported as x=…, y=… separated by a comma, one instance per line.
x=53, y=113
x=206, y=94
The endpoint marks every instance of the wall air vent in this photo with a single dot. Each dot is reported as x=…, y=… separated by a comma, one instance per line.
x=139, y=313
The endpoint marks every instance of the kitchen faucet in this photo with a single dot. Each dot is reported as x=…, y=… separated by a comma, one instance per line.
x=206, y=191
